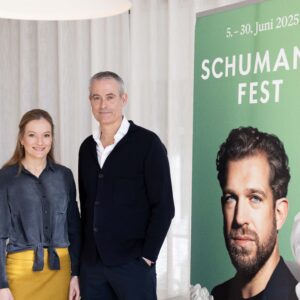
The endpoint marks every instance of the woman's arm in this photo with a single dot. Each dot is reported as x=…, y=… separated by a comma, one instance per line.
x=4, y=232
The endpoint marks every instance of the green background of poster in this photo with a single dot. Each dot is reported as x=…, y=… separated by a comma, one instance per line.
x=216, y=112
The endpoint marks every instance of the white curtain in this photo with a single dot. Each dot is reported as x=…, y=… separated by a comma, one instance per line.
x=48, y=65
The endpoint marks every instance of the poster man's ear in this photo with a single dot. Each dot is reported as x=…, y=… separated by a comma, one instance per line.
x=281, y=211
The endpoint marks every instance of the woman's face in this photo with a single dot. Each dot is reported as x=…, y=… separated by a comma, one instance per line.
x=37, y=139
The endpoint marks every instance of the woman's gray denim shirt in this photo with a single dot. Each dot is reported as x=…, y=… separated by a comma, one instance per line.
x=38, y=213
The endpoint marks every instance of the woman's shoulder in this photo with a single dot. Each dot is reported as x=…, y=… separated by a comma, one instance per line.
x=7, y=174
x=11, y=170
x=60, y=168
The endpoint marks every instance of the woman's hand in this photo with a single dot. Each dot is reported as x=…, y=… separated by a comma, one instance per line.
x=5, y=294
x=74, y=292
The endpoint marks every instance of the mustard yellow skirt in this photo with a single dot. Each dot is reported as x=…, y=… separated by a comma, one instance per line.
x=43, y=285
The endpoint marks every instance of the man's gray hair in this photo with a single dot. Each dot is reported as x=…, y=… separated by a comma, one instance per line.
x=108, y=75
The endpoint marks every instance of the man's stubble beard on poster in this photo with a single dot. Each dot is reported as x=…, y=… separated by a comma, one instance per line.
x=249, y=261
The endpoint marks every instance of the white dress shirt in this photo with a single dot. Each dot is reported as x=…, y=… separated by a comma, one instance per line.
x=103, y=153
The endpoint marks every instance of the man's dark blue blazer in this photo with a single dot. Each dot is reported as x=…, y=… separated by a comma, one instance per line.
x=127, y=205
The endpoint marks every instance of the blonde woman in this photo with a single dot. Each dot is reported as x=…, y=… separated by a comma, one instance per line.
x=39, y=218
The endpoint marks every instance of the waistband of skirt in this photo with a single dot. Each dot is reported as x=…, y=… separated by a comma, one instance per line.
x=30, y=254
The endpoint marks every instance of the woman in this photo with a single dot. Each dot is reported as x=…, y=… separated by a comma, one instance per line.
x=39, y=217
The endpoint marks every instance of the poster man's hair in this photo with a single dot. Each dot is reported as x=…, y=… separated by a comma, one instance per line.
x=248, y=141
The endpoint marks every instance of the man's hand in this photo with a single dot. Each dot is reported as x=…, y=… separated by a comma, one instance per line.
x=148, y=261
x=5, y=294
x=74, y=292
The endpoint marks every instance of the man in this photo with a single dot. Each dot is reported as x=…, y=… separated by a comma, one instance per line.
x=253, y=173
x=126, y=199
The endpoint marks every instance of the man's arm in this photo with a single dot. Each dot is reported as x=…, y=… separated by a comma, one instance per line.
x=160, y=198
x=82, y=193
x=74, y=226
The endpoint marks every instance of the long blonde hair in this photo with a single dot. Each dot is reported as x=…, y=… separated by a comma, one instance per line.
x=19, y=153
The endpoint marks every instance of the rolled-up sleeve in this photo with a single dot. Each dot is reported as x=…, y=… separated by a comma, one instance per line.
x=4, y=232
x=74, y=227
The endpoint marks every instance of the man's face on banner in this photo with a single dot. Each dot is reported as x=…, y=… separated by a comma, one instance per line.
x=249, y=216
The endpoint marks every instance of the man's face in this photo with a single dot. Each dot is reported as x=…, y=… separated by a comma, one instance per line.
x=250, y=228
x=106, y=101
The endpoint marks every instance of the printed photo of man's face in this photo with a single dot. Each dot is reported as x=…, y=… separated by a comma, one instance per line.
x=250, y=229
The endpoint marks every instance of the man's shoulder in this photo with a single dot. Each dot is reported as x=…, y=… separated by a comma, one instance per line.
x=282, y=283
x=280, y=286
x=87, y=142
x=222, y=291
x=141, y=131
x=282, y=269
x=145, y=138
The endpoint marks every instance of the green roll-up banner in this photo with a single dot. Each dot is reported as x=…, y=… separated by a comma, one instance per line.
x=247, y=73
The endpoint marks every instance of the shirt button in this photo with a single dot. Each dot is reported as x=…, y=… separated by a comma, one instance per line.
x=45, y=211
x=96, y=229
x=100, y=176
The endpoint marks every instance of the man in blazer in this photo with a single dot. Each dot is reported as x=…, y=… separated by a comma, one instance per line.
x=126, y=199
x=253, y=173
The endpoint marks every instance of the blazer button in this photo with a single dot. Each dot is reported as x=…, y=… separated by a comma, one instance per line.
x=97, y=202
x=100, y=176
x=96, y=229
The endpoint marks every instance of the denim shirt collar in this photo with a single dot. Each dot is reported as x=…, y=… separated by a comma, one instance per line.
x=49, y=166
